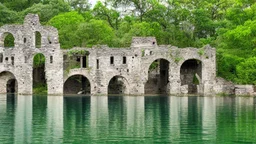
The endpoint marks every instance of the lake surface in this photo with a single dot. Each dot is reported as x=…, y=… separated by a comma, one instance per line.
x=102, y=119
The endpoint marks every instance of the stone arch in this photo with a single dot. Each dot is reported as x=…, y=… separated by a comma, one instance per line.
x=118, y=85
x=157, y=77
x=191, y=75
x=150, y=60
x=8, y=82
x=7, y=40
x=77, y=84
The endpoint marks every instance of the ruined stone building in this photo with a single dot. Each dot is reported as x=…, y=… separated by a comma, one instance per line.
x=143, y=68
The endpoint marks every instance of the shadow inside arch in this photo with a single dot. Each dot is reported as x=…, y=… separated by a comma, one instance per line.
x=8, y=82
x=118, y=85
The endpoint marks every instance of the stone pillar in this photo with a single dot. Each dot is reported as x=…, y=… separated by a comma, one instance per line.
x=174, y=79
x=137, y=88
x=25, y=83
x=2, y=85
x=100, y=83
x=54, y=74
x=209, y=71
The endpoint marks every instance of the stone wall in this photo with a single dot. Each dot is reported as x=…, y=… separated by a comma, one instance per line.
x=18, y=60
x=101, y=64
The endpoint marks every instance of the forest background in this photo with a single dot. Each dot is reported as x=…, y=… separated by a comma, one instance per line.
x=227, y=25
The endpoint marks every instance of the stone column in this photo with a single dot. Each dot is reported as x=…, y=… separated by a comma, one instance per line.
x=137, y=88
x=54, y=74
x=209, y=71
x=25, y=83
x=174, y=79
x=2, y=85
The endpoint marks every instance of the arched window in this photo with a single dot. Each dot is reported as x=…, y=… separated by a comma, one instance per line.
x=38, y=39
x=8, y=40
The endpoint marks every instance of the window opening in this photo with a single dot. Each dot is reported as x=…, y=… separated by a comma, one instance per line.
x=51, y=59
x=1, y=57
x=124, y=60
x=97, y=63
x=38, y=39
x=111, y=60
x=9, y=41
x=84, y=65
x=26, y=59
x=12, y=59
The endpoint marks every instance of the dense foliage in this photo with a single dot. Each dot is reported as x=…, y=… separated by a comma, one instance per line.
x=228, y=25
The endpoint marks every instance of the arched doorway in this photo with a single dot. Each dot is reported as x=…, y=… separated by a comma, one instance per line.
x=11, y=86
x=191, y=74
x=8, y=83
x=77, y=84
x=39, y=79
x=158, y=77
x=118, y=85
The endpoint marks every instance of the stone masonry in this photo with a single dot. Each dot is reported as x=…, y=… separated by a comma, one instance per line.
x=102, y=63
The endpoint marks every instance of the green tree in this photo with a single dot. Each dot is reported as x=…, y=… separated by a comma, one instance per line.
x=246, y=71
x=227, y=65
x=95, y=32
x=103, y=13
x=67, y=24
x=79, y=5
x=8, y=16
x=48, y=10
x=19, y=5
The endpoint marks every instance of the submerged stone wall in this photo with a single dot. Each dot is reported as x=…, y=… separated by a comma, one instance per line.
x=129, y=70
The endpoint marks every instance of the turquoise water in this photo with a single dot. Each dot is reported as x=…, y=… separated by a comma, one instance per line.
x=57, y=119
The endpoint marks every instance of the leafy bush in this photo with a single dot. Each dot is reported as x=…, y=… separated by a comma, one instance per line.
x=246, y=71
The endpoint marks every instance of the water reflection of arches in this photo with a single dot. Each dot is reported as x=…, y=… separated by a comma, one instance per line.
x=8, y=83
x=191, y=75
x=118, y=85
x=158, y=77
x=77, y=84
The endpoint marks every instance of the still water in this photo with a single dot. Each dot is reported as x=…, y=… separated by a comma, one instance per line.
x=102, y=119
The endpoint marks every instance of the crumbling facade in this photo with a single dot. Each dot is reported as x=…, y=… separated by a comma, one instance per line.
x=145, y=67
x=18, y=60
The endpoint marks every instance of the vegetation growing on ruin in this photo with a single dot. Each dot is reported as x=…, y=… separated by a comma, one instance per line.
x=228, y=25
x=154, y=65
x=40, y=88
x=75, y=52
